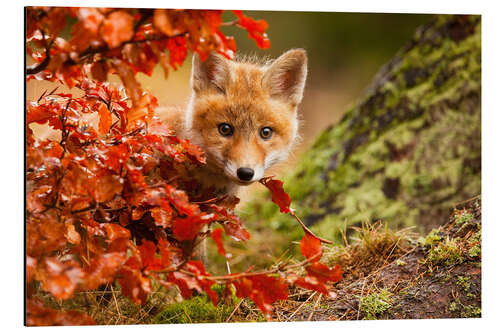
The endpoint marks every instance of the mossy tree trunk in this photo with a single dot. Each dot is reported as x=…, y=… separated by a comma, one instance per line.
x=410, y=148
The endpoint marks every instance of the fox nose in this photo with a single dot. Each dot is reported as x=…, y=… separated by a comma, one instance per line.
x=245, y=174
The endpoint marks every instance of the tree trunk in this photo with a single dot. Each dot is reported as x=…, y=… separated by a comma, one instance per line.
x=408, y=151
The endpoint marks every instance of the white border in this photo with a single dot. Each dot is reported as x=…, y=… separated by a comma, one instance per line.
x=12, y=159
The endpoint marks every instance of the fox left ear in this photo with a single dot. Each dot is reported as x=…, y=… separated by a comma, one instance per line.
x=211, y=73
x=286, y=77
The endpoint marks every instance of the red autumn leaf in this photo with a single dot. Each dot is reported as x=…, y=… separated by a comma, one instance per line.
x=233, y=225
x=311, y=283
x=256, y=29
x=115, y=231
x=217, y=237
x=310, y=247
x=133, y=87
x=323, y=273
x=150, y=261
x=186, y=283
x=104, y=119
x=161, y=21
x=194, y=151
x=107, y=186
x=60, y=278
x=278, y=194
x=103, y=268
x=39, y=315
x=72, y=235
x=263, y=290
x=117, y=28
x=162, y=217
x=198, y=269
x=178, y=50
x=165, y=254
x=187, y=228
x=236, y=231
x=134, y=284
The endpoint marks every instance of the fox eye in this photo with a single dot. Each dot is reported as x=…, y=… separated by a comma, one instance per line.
x=266, y=133
x=225, y=129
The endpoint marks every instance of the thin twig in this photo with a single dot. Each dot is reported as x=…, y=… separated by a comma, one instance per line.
x=234, y=311
x=306, y=229
x=301, y=305
x=116, y=301
x=315, y=307
x=360, y=299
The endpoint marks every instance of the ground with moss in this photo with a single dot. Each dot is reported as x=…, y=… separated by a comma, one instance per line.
x=387, y=275
x=405, y=152
x=399, y=276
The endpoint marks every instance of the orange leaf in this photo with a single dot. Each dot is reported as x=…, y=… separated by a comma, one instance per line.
x=217, y=237
x=104, y=119
x=117, y=28
x=263, y=290
x=161, y=21
x=38, y=315
x=323, y=273
x=278, y=194
x=115, y=231
x=310, y=247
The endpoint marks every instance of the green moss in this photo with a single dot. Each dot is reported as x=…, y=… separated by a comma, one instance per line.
x=475, y=251
x=453, y=306
x=470, y=311
x=475, y=241
x=432, y=238
x=400, y=262
x=198, y=309
x=466, y=311
x=464, y=283
x=447, y=252
x=463, y=218
x=375, y=304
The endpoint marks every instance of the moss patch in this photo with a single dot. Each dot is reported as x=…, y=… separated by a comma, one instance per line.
x=198, y=309
x=375, y=304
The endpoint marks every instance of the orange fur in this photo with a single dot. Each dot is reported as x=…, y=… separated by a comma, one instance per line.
x=247, y=96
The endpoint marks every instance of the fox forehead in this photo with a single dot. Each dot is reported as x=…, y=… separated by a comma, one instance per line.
x=246, y=105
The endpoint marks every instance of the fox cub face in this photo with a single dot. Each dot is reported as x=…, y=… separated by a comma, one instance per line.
x=244, y=115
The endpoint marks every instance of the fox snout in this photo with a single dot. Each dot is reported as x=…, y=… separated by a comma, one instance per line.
x=245, y=174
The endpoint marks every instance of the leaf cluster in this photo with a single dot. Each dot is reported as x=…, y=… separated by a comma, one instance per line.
x=117, y=202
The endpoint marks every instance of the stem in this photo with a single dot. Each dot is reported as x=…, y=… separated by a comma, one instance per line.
x=306, y=229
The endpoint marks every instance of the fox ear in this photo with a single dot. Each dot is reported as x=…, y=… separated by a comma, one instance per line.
x=211, y=73
x=286, y=76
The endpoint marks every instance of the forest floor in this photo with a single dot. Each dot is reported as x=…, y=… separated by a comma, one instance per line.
x=387, y=275
x=391, y=275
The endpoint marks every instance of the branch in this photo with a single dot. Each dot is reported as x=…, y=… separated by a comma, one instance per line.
x=42, y=65
x=306, y=229
x=280, y=268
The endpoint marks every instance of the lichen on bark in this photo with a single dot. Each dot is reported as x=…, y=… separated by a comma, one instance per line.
x=407, y=151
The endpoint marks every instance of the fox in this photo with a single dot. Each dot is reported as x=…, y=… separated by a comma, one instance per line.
x=243, y=114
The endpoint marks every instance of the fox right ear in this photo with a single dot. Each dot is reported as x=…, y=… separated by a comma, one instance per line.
x=286, y=76
x=213, y=73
